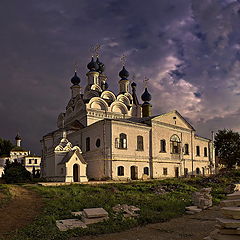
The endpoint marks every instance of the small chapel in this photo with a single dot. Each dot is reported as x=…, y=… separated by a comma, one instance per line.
x=105, y=135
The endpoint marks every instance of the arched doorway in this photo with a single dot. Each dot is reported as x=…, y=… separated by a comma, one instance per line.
x=76, y=173
x=134, y=172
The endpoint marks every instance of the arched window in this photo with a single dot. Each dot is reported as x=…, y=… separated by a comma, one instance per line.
x=186, y=149
x=163, y=145
x=175, y=144
x=123, y=141
x=197, y=151
x=197, y=171
x=146, y=170
x=120, y=171
x=87, y=144
x=139, y=143
x=205, y=152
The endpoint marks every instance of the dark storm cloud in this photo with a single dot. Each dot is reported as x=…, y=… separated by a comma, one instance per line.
x=188, y=49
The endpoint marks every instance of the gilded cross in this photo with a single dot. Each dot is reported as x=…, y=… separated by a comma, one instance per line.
x=123, y=59
x=145, y=81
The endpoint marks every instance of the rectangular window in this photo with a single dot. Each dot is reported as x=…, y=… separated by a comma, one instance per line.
x=186, y=149
x=139, y=143
x=197, y=151
x=165, y=171
x=35, y=161
x=87, y=144
x=30, y=161
x=205, y=152
x=163, y=145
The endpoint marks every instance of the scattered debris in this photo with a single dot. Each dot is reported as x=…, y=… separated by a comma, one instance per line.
x=128, y=211
x=66, y=224
x=203, y=198
x=77, y=214
x=228, y=227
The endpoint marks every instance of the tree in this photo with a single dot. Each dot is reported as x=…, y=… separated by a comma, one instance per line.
x=15, y=173
x=227, y=145
x=5, y=147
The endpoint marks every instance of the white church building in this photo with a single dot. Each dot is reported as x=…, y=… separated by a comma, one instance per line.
x=116, y=137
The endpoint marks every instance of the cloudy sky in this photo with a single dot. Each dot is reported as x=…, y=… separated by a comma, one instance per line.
x=189, y=49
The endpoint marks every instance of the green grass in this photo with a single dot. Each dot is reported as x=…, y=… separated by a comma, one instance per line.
x=5, y=195
x=60, y=201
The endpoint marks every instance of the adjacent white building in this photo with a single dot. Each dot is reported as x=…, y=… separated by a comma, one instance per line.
x=29, y=161
x=116, y=137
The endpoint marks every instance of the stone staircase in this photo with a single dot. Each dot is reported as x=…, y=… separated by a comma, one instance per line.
x=228, y=227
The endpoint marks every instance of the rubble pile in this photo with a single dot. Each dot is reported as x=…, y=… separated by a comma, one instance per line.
x=88, y=216
x=201, y=200
x=228, y=227
x=128, y=211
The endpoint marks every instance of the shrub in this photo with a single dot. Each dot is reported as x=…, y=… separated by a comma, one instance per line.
x=15, y=173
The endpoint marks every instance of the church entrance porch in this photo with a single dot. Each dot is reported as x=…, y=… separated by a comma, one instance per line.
x=134, y=172
x=76, y=173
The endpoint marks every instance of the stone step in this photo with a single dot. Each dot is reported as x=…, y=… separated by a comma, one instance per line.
x=94, y=220
x=193, y=209
x=228, y=223
x=231, y=212
x=230, y=231
x=95, y=213
x=230, y=203
x=66, y=224
x=234, y=196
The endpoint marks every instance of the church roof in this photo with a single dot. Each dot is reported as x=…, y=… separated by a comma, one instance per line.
x=69, y=155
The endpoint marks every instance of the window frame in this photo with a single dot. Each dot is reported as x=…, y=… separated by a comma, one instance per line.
x=140, y=143
x=144, y=172
x=198, y=151
x=122, y=141
x=120, y=171
x=163, y=146
x=205, y=152
x=165, y=171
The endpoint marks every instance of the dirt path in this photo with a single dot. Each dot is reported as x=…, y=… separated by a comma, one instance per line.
x=188, y=227
x=20, y=211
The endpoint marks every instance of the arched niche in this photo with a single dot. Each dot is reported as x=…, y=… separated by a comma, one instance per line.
x=108, y=96
x=118, y=107
x=122, y=98
x=98, y=103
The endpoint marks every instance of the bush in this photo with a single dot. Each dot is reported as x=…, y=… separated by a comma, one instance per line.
x=15, y=173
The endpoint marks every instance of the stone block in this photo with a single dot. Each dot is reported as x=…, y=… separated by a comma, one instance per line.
x=230, y=203
x=94, y=220
x=66, y=224
x=194, y=209
x=95, y=213
x=228, y=223
x=234, y=196
x=231, y=212
x=190, y=212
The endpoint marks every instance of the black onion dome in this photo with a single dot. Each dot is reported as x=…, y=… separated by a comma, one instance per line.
x=104, y=86
x=101, y=66
x=18, y=137
x=124, y=74
x=92, y=66
x=75, y=79
x=146, y=96
x=133, y=85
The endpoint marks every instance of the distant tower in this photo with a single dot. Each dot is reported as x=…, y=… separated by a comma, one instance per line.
x=18, y=140
x=146, y=106
x=93, y=73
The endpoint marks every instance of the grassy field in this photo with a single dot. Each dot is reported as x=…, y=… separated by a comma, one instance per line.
x=158, y=200
x=5, y=195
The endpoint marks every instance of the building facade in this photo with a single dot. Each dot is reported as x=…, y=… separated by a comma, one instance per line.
x=30, y=162
x=118, y=137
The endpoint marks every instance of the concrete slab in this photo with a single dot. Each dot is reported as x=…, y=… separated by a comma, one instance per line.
x=228, y=223
x=66, y=224
x=95, y=212
x=94, y=220
x=193, y=209
x=231, y=212
x=230, y=203
x=234, y=196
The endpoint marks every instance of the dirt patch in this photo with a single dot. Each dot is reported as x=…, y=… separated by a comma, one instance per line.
x=20, y=211
x=188, y=227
